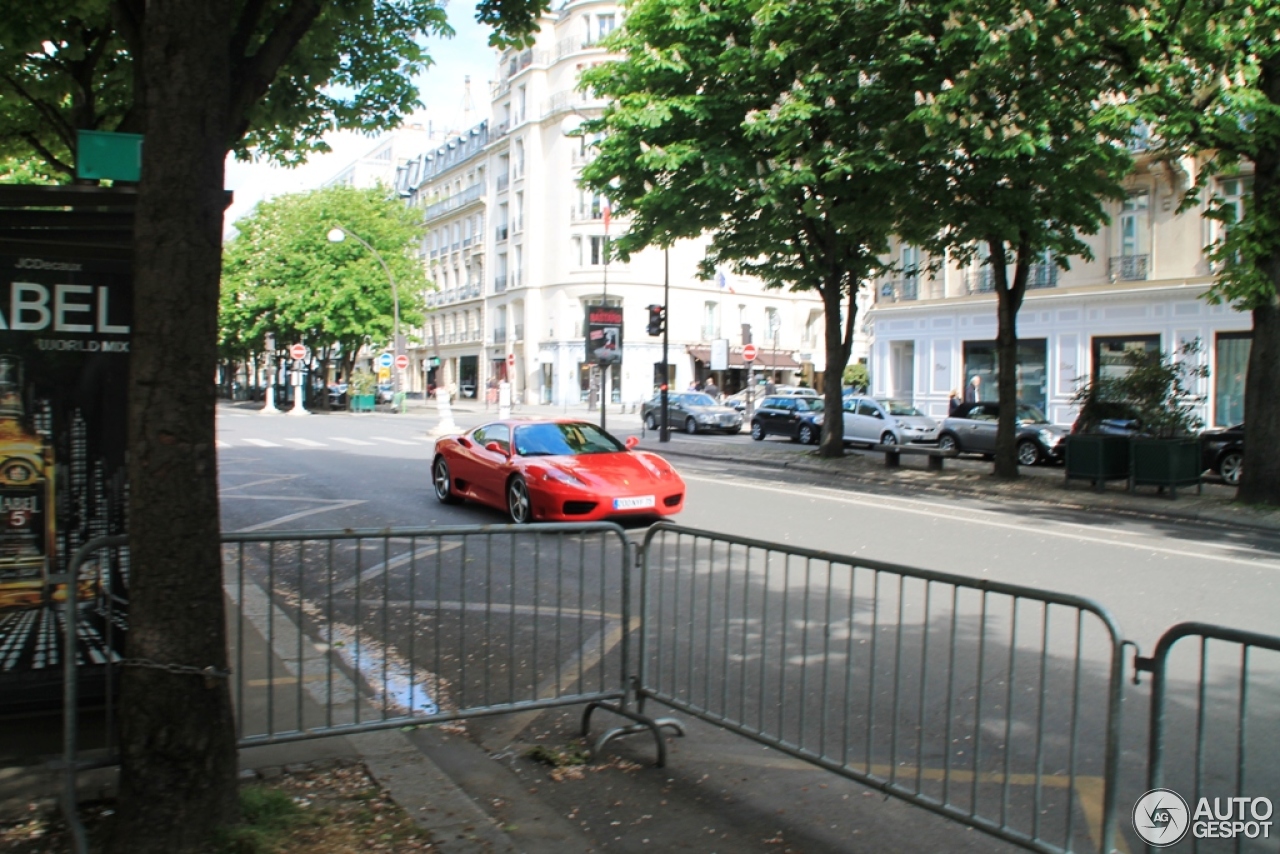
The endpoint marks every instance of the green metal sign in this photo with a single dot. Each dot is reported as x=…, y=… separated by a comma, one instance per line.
x=117, y=156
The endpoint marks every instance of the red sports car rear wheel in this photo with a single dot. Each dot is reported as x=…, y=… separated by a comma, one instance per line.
x=518, y=504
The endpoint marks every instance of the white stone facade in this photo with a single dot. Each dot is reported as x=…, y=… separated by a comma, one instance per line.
x=1144, y=288
x=516, y=250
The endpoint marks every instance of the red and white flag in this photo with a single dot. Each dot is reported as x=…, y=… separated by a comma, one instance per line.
x=604, y=203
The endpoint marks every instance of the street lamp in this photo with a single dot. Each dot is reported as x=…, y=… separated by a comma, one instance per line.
x=337, y=234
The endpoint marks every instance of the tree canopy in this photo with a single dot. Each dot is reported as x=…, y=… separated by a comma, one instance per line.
x=300, y=69
x=282, y=276
x=1027, y=131
x=1213, y=91
x=779, y=129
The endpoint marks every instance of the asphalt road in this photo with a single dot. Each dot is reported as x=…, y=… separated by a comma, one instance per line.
x=340, y=471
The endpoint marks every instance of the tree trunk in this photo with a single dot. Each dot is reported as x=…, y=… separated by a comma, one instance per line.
x=1260, y=480
x=178, y=754
x=839, y=341
x=1008, y=301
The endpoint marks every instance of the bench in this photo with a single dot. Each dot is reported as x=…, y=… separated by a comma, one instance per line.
x=893, y=454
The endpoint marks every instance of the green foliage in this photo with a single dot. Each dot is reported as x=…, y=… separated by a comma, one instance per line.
x=1212, y=89
x=268, y=816
x=857, y=376
x=1026, y=127
x=362, y=382
x=282, y=276
x=299, y=70
x=777, y=127
x=1155, y=388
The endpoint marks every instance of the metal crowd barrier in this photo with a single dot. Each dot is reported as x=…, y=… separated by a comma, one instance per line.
x=338, y=632
x=992, y=704
x=1214, y=733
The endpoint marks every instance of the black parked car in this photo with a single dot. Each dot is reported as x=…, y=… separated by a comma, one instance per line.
x=797, y=417
x=692, y=411
x=972, y=430
x=1223, y=452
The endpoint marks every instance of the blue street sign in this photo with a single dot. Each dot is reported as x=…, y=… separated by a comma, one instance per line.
x=385, y=360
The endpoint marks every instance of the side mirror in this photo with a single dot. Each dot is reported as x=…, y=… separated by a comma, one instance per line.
x=632, y=442
x=495, y=448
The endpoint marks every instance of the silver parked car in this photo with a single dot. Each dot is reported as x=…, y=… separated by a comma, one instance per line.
x=691, y=411
x=873, y=420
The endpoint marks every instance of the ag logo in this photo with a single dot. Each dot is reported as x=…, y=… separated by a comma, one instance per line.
x=1161, y=818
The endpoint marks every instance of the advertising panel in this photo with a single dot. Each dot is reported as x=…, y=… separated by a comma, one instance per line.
x=604, y=334
x=64, y=372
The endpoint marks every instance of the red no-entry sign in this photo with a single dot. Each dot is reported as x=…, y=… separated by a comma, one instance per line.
x=402, y=361
x=749, y=352
x=298, y=351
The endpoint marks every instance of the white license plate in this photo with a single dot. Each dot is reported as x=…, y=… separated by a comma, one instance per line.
x=633, y=503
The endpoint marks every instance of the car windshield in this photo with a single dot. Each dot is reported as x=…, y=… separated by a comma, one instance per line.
x=568, y=439
x=808, y=404
x=1028, y=414
x=900, y=407
x=698, y=400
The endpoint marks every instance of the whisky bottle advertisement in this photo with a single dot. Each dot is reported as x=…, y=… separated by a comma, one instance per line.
x=64, y=370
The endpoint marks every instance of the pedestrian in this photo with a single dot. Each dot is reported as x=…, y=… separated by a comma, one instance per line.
x=973, y=391
x=712, y=389
x=693, y=384
x=770, y=387
x=953, y=403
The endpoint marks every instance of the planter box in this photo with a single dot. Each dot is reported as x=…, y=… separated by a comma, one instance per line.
x=1165, y=463
x=1097, y=458
x=362, y=403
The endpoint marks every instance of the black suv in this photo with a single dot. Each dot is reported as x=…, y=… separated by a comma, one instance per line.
x=796, y=417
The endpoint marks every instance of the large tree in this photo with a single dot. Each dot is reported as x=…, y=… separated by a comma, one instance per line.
x=1027, y=133
x=1215, y=92
x=778, y=129
x=198, y=78
x=281, y=275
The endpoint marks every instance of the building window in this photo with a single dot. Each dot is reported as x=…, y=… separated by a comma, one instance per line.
x=1231, y=366
x=773, y=325
x=597, y=250
x=710, y=321
x=604, y=25
x=1109, y=353
x=910, y=272
x=981, y=361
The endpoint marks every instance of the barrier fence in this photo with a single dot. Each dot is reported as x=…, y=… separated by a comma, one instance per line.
x=1214, y=735
x=995, y=705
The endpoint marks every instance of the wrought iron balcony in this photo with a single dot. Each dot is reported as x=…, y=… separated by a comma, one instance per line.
x=1130, y=268
x=900, y=290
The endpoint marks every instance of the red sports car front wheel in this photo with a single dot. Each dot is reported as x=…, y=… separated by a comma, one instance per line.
x=518, y=504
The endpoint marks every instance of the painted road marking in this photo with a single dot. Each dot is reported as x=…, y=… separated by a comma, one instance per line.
x=218, y=443
x=262, y=443
x=351, y=441
x=306, y=442
x=392, y=441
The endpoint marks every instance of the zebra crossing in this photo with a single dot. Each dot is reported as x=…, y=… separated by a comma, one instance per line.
x=328, y=442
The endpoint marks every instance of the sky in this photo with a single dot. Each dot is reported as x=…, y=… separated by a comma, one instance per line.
x=441, y=92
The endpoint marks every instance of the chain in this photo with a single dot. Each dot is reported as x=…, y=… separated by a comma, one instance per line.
x=209, y=672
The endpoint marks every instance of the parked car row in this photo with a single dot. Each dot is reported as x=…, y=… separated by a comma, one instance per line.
x=798, y=414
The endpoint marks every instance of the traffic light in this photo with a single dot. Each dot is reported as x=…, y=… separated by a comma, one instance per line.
x=657, y=319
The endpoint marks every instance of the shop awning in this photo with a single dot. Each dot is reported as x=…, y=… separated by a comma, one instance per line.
x=765, y=358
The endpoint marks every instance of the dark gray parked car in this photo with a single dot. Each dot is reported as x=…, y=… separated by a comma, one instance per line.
x=972, y=430
x=798, y=417
x=693, y=412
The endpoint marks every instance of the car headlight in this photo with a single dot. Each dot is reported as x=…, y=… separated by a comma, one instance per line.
x=1048, y=438
x=901, y=424
x=561, y=476
x=704, y=417
x=817, y=419
x=657, y=466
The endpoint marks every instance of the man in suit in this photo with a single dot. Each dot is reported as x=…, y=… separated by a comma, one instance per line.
x=973, y=391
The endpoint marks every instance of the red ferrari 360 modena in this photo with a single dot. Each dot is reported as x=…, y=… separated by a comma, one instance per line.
x=554, y=471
